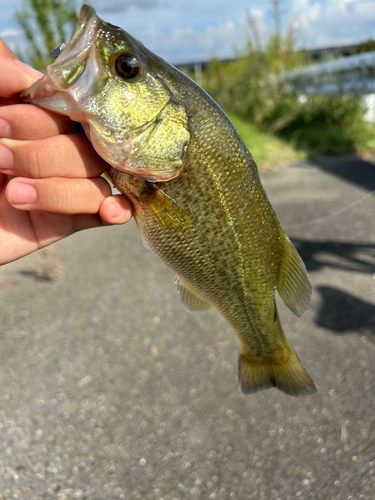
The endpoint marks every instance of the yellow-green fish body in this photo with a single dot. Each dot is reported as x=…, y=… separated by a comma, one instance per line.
x=197, y=197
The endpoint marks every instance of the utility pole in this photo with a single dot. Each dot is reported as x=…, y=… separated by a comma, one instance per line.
x=276, y=14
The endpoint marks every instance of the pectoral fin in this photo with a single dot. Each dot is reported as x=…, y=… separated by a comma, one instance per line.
x=293, y=284
x=167, y=212
x=192, y=301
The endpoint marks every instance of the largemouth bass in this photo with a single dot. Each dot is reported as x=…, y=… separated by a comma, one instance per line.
x=198, y=200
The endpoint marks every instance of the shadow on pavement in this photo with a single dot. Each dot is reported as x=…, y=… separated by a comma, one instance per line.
x=351, y=168
x=342, y=312
x=359, y=257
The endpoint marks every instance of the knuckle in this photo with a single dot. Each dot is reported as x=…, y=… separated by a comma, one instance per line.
x=35, y=155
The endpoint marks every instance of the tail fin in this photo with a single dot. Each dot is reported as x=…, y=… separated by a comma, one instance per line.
x=284, y=372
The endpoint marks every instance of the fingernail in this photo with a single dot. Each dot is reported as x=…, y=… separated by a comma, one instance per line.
x=20, y=193
x=4, y=128
x=6, y=159
x=117, y=210
x=28, y=69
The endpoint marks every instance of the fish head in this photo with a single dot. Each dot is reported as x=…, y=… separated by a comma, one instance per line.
x=124, y=96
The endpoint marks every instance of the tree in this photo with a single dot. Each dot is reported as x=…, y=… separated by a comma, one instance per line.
x=366, y=46
x=45, y=24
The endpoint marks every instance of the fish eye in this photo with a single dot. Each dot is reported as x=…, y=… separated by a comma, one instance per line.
x=127, y=66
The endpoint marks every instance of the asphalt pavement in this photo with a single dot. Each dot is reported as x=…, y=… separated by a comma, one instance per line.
x=109, y=389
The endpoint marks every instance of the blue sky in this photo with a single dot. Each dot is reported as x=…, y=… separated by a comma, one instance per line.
x=195, y=30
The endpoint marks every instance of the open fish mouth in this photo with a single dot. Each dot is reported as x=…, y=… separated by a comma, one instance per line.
x=75, y=70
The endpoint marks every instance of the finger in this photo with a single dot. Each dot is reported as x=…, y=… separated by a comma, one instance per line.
x=15, y=75
x=70, y=156
x=57, y=195
x=116, y=210
x=27, y=122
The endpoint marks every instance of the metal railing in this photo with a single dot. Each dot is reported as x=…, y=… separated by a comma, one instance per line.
x=350, y=75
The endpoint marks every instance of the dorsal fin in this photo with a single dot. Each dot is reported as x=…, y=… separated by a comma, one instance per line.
x=293, y=284
x=192, y=301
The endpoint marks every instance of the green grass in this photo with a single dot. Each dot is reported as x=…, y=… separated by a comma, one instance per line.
x=366, y=141
x=267, y=150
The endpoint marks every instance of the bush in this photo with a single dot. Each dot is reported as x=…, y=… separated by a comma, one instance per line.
x=253, y=88
x=324, y=124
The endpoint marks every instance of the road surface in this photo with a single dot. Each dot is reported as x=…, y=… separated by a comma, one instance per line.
x=109, y=389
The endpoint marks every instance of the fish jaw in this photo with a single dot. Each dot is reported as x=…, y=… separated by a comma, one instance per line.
x=71, y=78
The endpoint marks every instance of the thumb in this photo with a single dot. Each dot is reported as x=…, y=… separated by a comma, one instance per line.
x=15, y=74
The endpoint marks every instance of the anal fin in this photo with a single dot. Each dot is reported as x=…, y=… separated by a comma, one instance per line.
x=192, y=301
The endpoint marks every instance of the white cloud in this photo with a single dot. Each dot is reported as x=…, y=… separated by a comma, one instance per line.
x=193, y=30
x=187, y=45
x=188, y=30
x=121, y=5
x=11, y=33
x=333, y=22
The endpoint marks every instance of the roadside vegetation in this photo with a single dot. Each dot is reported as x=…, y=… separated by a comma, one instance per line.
x=267, y=149
x=263, y=106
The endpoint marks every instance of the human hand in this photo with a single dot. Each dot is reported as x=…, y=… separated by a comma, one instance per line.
x=50, y=184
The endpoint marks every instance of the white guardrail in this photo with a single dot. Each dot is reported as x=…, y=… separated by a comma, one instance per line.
x=350, y=75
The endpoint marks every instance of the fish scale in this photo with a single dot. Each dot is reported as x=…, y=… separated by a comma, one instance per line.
x=198, y=200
